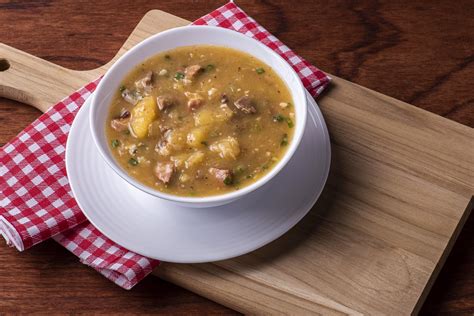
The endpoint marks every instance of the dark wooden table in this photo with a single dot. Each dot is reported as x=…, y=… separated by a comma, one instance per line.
x=419, y=52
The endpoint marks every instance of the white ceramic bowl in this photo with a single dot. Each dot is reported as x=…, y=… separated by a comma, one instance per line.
x=184, y=36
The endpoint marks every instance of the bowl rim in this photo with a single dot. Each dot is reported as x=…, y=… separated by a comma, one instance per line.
x=228, y=196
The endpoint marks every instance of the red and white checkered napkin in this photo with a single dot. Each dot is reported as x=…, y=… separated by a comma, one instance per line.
x=36, y=202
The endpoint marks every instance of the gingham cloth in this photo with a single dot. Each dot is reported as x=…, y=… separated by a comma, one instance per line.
x=36, y=202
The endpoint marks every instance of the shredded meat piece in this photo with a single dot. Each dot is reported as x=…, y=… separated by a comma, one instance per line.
x=164, y=171
x=163, y=147
x=131, y=97
x=120, y=124
x=145, y=83
x=124, y=114
x=224, y=98
x=164, y=102
x=222, y=175
x=194, y=104
x=244, y=104
x=164, y=129
x=195, y=100
x=192, y=71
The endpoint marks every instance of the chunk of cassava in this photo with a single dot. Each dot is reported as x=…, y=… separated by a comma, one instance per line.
x=227, y=148
x=142, y=115
x=204, y=117
x=195, y=159
x=196, y=137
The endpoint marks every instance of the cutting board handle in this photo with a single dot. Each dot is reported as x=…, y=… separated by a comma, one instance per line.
x=35, y=81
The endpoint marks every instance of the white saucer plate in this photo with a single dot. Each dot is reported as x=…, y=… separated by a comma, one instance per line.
x=161, y=230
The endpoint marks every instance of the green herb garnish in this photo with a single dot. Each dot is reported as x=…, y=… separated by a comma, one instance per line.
x=260, y=70
x=115, y=143
x=167, y=56
x=284, y=140
x=228, y=181
x=289, y=122
x=122, y=88
x=278, y=118
x=210, y=67
x=179, y=76
x=133, y=161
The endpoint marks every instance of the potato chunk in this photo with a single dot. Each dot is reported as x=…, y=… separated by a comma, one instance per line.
x=142, y=115
x=179, y=160
x=224, y=113
x=186, y=160
x=171, y=141
x=154, y=129
x=227, y=148
x=204, y=117
x=177, y=139
x=213, y=116
x=195, y=159
x=197, y=137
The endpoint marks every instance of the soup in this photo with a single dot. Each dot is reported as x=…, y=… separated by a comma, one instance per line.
x=200, y=120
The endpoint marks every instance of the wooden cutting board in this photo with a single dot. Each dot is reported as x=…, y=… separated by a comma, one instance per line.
x=399, y=192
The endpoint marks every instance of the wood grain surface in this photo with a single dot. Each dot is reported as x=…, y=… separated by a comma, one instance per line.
x=454, y=293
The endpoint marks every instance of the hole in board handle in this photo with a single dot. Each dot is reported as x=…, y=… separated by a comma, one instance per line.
x=4, y=64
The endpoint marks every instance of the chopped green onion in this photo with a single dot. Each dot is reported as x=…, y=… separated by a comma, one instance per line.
x=289, y=122
x=249, y=176
x=179, y=76
x=115, y=143
x=260, y=70
x=278, y=118
x=122, y=88
x=228, y=181
x=133, y=161
x=209, y=67
x=127, y=132
x=284, y=140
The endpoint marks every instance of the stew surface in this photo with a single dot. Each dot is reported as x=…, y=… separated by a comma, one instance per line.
x=200, y=120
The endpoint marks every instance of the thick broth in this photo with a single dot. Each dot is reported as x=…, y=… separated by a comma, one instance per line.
x=206, y=120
